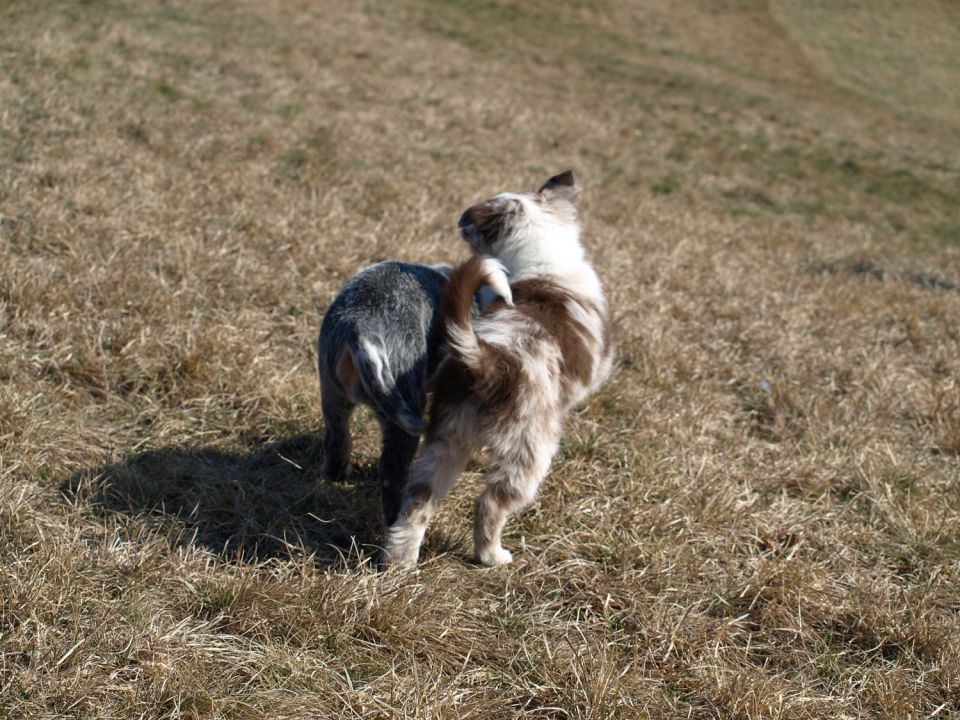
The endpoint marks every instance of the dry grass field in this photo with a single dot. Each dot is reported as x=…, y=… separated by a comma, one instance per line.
x=758, y=517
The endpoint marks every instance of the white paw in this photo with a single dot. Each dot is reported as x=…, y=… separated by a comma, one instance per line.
x=402, y=548
x=398, y=562
x=495, y=556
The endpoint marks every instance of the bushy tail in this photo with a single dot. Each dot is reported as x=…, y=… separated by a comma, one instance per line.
x=457, y=304
x=381, y=388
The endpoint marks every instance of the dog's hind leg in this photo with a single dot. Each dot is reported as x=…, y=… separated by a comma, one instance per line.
x=337, y=409
x=433, y=473
x=511, y=487
x=396, y=454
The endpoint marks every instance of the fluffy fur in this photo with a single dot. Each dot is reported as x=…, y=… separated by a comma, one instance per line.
x=379, y=340
x=510, y=375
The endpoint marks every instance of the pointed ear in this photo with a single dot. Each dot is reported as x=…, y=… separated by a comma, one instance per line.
x=562, y=186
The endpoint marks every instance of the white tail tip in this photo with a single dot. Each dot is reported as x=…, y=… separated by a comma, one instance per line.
x=497, y=279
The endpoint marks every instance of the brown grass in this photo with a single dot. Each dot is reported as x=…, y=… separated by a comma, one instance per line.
x=758, y=517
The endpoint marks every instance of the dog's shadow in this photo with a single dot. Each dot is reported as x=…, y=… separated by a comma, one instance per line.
x=267, y=503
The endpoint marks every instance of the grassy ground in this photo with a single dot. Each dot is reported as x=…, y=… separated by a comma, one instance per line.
x=758, y=517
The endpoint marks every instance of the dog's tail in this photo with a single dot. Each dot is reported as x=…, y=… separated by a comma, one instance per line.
x=457, y=303
x=380, y=387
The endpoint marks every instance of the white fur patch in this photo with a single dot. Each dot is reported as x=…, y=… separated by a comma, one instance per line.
x=497, y=279
x=540, y=243
x=376, y=359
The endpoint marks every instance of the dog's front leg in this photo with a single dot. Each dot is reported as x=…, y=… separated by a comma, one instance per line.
x=434, y=472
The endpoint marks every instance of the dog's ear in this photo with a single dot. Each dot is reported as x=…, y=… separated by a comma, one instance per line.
x=562, y=186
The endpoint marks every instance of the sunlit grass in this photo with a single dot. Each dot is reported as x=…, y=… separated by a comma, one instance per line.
x=757, y=516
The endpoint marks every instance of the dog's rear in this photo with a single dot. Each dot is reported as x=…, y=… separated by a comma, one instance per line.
x=367, y=373
x=541, y=331
x=377, y=344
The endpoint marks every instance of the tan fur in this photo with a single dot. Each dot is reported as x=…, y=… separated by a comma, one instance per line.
x=348, y=376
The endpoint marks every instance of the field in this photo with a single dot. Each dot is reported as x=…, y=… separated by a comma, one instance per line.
x=757, y=517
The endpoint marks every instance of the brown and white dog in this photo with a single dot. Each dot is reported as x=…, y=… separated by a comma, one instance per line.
x=511, y=374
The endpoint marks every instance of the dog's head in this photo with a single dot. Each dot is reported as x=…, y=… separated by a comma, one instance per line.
x=492, y=226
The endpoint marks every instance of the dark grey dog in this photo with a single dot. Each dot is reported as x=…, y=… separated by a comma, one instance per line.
x=379, y=341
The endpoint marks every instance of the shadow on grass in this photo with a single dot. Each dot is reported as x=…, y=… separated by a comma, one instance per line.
x=268, y=503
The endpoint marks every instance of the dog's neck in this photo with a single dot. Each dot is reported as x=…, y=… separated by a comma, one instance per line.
x=544, y=248
x=553, y=251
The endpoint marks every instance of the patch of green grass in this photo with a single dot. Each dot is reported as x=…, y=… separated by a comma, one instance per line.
x=949, y=232
x=168, y=91
x=20, y=153
x=841, y=177
x=666, y=185
x=751, y=195
x=808, y=209
x=785, y=162
x=900, y=186
x=464, y=20
x=214, y=601
x=317, y=148
x=290, y=110
x=901, y=56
